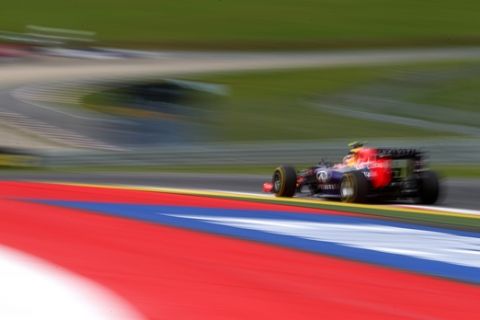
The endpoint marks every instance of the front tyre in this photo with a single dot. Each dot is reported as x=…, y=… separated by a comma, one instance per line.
x=354, y=187
x=429, y=187
x=284, y=181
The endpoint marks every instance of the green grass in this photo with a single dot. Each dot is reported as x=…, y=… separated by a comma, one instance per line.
x=256, y=24
x=459, y=171
x=274, y=105
x=462, y=94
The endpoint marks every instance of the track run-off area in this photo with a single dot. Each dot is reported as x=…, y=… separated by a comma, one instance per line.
x=154, y=253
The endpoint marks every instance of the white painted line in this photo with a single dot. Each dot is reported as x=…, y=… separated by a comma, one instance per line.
x=31, y=288
x=429, y=208
x=266, y=195
x=423, y=244
x=444, y=209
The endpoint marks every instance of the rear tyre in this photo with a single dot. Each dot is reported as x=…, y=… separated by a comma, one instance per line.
x=429, y=187
x=284, y=181
x=354, y=188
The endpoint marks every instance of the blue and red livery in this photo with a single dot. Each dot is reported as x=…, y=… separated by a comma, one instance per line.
x=365, y=174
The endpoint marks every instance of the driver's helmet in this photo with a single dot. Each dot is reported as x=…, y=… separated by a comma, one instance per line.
x=351, y=158
x=355, y=145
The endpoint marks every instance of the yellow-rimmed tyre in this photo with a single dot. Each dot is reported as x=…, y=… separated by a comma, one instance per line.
x=354, y=187
x=284, y=181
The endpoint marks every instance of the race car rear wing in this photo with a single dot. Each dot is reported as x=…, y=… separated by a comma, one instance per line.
x=400, y=153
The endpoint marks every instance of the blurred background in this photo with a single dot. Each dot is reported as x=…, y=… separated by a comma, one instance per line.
x=236, y=86
x=215, y=94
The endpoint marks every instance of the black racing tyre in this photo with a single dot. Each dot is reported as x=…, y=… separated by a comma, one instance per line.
x=354, y=187
x=284, y=181
x=429, y=187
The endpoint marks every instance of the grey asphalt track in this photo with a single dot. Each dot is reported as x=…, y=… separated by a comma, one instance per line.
x=458, y=193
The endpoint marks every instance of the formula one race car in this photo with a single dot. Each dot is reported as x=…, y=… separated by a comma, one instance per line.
x=366, y=174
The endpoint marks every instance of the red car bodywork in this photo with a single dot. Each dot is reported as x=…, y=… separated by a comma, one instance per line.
x=380, y=168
